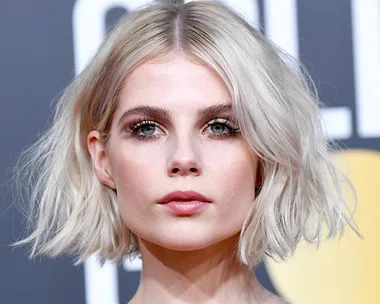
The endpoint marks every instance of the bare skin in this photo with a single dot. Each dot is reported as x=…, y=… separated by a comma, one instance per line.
x=204, y=276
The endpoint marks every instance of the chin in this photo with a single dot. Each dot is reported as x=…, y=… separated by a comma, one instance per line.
x=191, y=240
x=185, y=244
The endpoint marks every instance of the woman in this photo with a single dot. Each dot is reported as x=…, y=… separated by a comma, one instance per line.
x=192, y=141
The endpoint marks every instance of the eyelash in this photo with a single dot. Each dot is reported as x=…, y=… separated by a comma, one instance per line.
x=136, y=125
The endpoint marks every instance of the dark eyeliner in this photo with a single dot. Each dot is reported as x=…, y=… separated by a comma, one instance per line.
x=134, y=126
x=224, y=122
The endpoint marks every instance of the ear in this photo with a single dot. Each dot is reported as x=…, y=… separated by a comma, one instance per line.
x=100, y=159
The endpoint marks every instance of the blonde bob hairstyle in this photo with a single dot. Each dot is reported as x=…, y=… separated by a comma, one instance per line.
x=274, y=103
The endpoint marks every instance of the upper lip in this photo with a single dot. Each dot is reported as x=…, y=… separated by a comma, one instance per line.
x=183, y=196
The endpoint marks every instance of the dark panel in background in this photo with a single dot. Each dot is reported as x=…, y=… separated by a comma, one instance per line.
x=36, y=63
x=325, y=43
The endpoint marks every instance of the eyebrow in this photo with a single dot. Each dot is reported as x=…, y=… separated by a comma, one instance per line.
x=162, y=113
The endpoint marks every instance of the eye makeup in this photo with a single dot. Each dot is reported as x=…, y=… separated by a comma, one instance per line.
x=147, y=129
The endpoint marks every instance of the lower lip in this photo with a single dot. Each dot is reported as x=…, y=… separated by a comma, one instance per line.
x=186, y=207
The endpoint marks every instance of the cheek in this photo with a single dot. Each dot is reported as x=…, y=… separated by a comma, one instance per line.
x=135, y=174
x=233, y=166
x=132, y=166
x=234, y=175
x=135, y=181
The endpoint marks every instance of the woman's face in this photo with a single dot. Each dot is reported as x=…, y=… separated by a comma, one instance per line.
x=173, y=131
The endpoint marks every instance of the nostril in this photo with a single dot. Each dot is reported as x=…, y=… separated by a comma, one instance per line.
x=177, y=170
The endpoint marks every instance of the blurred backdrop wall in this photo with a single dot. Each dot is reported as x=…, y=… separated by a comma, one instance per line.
x=45, y=43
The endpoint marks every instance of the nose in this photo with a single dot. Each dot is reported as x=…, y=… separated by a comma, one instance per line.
x=184, y=158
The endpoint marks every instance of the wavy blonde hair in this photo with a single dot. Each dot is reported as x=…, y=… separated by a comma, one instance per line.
x=274, y=103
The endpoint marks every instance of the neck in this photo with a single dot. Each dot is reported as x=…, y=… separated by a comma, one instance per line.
x=209, y=275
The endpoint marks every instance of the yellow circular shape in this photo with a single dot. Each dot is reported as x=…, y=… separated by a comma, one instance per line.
x=345, y=270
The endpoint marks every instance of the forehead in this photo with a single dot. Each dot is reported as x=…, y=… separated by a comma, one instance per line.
x=175, y=83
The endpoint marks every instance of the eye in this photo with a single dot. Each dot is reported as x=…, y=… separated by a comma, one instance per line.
x=145, y=129
x=221, y=128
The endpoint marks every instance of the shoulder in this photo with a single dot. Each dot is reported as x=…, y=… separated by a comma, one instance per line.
x=277, y=300
x=273, y=299
x=264, y=296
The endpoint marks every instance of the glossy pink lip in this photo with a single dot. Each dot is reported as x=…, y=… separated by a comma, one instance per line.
x=185, y=202
x=184, y=196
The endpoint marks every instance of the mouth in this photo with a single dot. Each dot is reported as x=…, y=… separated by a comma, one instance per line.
x=185, y=202
x=184, y=196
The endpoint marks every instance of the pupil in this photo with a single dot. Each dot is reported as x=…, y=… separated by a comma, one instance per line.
x=217, y=128
x=147, y=130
